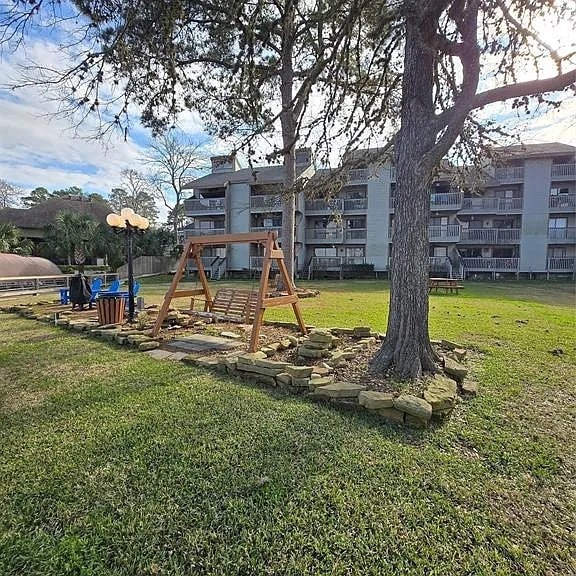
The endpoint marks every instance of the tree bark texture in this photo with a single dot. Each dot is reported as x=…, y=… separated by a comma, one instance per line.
x=406, y=348
x=288, y=128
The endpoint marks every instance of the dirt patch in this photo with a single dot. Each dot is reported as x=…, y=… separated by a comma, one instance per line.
x=355, y=371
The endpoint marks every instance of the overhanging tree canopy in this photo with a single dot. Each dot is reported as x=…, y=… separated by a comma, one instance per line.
x=429, y=63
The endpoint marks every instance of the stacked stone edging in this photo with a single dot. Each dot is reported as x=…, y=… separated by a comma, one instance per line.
x=437, y=402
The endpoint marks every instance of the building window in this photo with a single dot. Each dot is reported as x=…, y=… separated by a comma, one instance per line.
x=556, y=223
x=557, y=252
x=356, y=252
x=559, y=191
x=326, y=252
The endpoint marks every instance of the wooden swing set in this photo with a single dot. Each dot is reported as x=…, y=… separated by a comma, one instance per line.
x=242, y=304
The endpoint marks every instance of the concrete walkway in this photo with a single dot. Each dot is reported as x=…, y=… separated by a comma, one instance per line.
x=194, y=344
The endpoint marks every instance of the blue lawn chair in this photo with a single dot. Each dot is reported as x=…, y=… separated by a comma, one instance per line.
x=94, y=287
x=114, y=286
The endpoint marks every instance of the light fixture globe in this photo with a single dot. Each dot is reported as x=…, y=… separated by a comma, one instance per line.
x=114, y=220
x=134, y=219
x=144, y=223
x=126, y=213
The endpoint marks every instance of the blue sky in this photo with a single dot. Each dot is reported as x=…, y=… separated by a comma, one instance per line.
x=37, y=149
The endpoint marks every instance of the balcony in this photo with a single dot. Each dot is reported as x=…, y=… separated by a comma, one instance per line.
x=256, y=263
x=491, y=264
x=491, y=205
x=204, y=231
x=440, y=201
x=490, y=235
x=324, y=235
x=446, y=201
x=566, y=264
x=562, y=235
x=203, y=206
x=563, y=171
x=207, y=262
x=358, y=175
x=356, y=204
x=266, y=203
x=355, y=235
x=508, y=174
x=324, y=206
x=450, y=233
x=563, y=202
x=277, y=229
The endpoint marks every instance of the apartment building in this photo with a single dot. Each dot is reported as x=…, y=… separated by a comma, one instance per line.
x=521, y=223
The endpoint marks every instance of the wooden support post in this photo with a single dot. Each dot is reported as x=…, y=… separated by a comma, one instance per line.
x=263, y=288
x=290, y=289
x=170, y=294
x=208, y=300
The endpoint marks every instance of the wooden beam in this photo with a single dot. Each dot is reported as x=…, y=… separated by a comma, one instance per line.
x=230, y=238
x=277, y=254
x=180, y=268
x=185, y=293
x=279, y=300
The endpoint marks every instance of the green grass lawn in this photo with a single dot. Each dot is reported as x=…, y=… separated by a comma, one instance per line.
x=113, y=463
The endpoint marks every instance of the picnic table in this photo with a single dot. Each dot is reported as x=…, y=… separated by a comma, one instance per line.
x=447, y=284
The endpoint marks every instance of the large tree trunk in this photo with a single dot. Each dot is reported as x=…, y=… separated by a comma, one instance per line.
x=288, y=127
x=406, y=348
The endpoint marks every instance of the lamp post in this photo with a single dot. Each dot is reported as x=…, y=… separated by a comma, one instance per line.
x=128, y=223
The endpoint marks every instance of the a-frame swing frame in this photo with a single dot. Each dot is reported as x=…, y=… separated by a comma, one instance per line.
x=272, y=251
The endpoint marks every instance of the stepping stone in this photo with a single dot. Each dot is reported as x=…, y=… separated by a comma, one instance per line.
x=159, y=354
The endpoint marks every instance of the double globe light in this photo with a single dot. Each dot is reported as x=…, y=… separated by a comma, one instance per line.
x=127, y=217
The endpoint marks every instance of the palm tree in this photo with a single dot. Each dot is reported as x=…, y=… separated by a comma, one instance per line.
x=72, y=235
x=12, y=242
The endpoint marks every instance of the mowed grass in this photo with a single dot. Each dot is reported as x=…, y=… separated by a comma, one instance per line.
x=113, y=463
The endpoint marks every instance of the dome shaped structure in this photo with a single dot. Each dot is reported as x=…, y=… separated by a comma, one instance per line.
x=14, y=265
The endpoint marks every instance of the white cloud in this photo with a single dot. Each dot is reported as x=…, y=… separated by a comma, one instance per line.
x=38, y=149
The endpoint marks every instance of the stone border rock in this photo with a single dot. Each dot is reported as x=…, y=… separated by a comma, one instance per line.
x=317, y=382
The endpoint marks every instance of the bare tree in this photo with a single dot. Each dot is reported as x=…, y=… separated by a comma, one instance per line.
x=9, y=194
x=173, y=162
x=136, y=193
x=423, y=65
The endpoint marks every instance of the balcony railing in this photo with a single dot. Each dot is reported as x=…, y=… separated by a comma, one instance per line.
x=324, y=235
x=358, y=175
x=449, y=233
x=490, y=235
x=509, y=174
x=335, y=262
x=272, y=202
x=204, y=205
x=355, y=234
x=563, y=201
x=563, y=170
x=562, y=234
x=332, y=205
x=491, y=204
x=277, y=229
x=206, y=262
x=439, y=201
x=446, y=201
x=204, y=231
x=355, y=204
x=565, y=264
x=491, y=264
x=256, y=263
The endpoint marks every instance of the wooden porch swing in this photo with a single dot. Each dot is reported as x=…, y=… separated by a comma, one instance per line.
x=242, y=304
